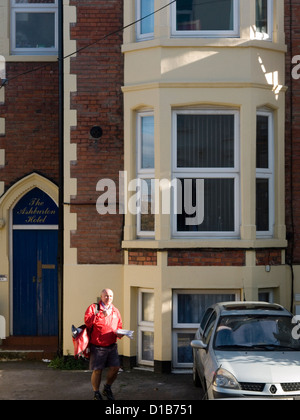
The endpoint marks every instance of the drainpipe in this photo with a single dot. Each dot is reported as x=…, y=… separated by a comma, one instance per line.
x=61, y=176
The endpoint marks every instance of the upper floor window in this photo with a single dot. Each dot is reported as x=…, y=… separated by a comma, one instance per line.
x=145, y=17
x=145, y=175
x=34, y=27
x=264, y=20
x=205, y=18
x=264, y=175
x=206, y=167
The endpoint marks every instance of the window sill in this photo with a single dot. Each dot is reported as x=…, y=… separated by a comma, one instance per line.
x=200, y=42
x=31, y=58
x=204, y=243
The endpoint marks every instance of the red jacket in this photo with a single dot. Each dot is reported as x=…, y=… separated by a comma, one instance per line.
x=104, y=327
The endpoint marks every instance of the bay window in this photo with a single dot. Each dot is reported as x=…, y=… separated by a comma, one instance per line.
x=264, y=175
x=145, y=187
x=264, y=21
x=205, y=18
x=145, y=18
x=206, y=149
x=34, y=27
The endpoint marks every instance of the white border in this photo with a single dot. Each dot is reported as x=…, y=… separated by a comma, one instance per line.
x=142, y=173
x=139, y=35
x=268, y=173
x=206, y=173
x=33, y=8
x=144, y=326
x=266, y=36
x=208, y=34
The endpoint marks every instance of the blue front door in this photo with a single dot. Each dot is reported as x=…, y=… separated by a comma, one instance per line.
x=35, y=246
x=35, y=295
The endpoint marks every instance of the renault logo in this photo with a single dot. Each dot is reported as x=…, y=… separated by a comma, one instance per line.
x=273, y=389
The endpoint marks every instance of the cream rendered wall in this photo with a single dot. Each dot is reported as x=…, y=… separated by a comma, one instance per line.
x=240, y=73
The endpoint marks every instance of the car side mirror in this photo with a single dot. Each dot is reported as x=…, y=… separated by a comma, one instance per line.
x=198, y=344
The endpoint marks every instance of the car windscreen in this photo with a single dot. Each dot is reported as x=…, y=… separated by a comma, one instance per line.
x=256, y=333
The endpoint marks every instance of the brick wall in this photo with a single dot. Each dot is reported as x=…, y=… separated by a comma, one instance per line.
x=292, y=140
x=268, y=257
x=207, y=257
x=31, y=122
x=142, y=257
x=98, y=101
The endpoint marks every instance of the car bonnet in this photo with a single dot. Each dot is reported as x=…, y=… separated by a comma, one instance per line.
x=266, y=367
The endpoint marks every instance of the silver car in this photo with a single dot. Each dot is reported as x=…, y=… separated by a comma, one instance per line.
x=247, y=349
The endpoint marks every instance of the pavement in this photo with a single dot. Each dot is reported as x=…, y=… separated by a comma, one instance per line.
x=34, y=380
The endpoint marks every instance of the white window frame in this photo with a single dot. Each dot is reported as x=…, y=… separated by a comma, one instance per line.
x=208, y=34
x=270, y=293
x=139, y=35
x=143, y=326
x=268, y=173
x=33, y=8
x=143, y=174
x=266, y=36
x=186, y=328
x=206, y=173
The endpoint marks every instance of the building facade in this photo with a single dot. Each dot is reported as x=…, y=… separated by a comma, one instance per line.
x=177, y=186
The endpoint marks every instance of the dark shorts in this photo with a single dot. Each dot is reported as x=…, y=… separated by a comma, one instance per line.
x=102, y=357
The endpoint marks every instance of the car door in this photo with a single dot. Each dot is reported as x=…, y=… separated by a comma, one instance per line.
x=204, y=355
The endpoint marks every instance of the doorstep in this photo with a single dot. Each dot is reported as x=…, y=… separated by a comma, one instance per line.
x=28, y=348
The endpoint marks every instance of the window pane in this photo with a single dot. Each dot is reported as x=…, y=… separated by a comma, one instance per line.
x=262, y=205
x=147, y=213
x=147, y=142
x=35, y=30
x=191, y=307
x=204, y=15
x=184, y=349
x=147, y=345
x=34, y=1
x=148, y=307
x=147, y=24
x=262, y=16
x=205, y=141
x=219, y=208
x=262, y=142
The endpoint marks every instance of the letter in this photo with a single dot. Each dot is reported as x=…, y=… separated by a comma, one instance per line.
x=108, y=410
x=136, y=411
x=296, y=69
x=296, y=329
x=153, y=409
x=106, y=203
x=122, y=192
x=188, y=202
x=138, y=202
x=165, y=186
x=169, y=409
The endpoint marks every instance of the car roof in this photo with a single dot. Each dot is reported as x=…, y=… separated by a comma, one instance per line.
x=249, y=308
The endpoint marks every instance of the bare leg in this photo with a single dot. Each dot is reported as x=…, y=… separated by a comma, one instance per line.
x=96, y=379
x=112, y=375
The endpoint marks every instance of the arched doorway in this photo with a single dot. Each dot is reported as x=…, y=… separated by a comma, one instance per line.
x=34, y=266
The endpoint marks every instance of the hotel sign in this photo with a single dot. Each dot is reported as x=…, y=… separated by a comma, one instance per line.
x=35, y=208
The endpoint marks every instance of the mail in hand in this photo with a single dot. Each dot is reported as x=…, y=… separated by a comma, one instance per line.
x=128, y=333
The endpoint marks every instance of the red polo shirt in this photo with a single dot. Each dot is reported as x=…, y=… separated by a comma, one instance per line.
x=104, y=327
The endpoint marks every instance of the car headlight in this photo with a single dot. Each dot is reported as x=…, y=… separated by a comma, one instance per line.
x=224, y=379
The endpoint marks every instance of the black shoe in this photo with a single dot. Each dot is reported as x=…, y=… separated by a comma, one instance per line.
x=97, y=396
x=107, y=392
